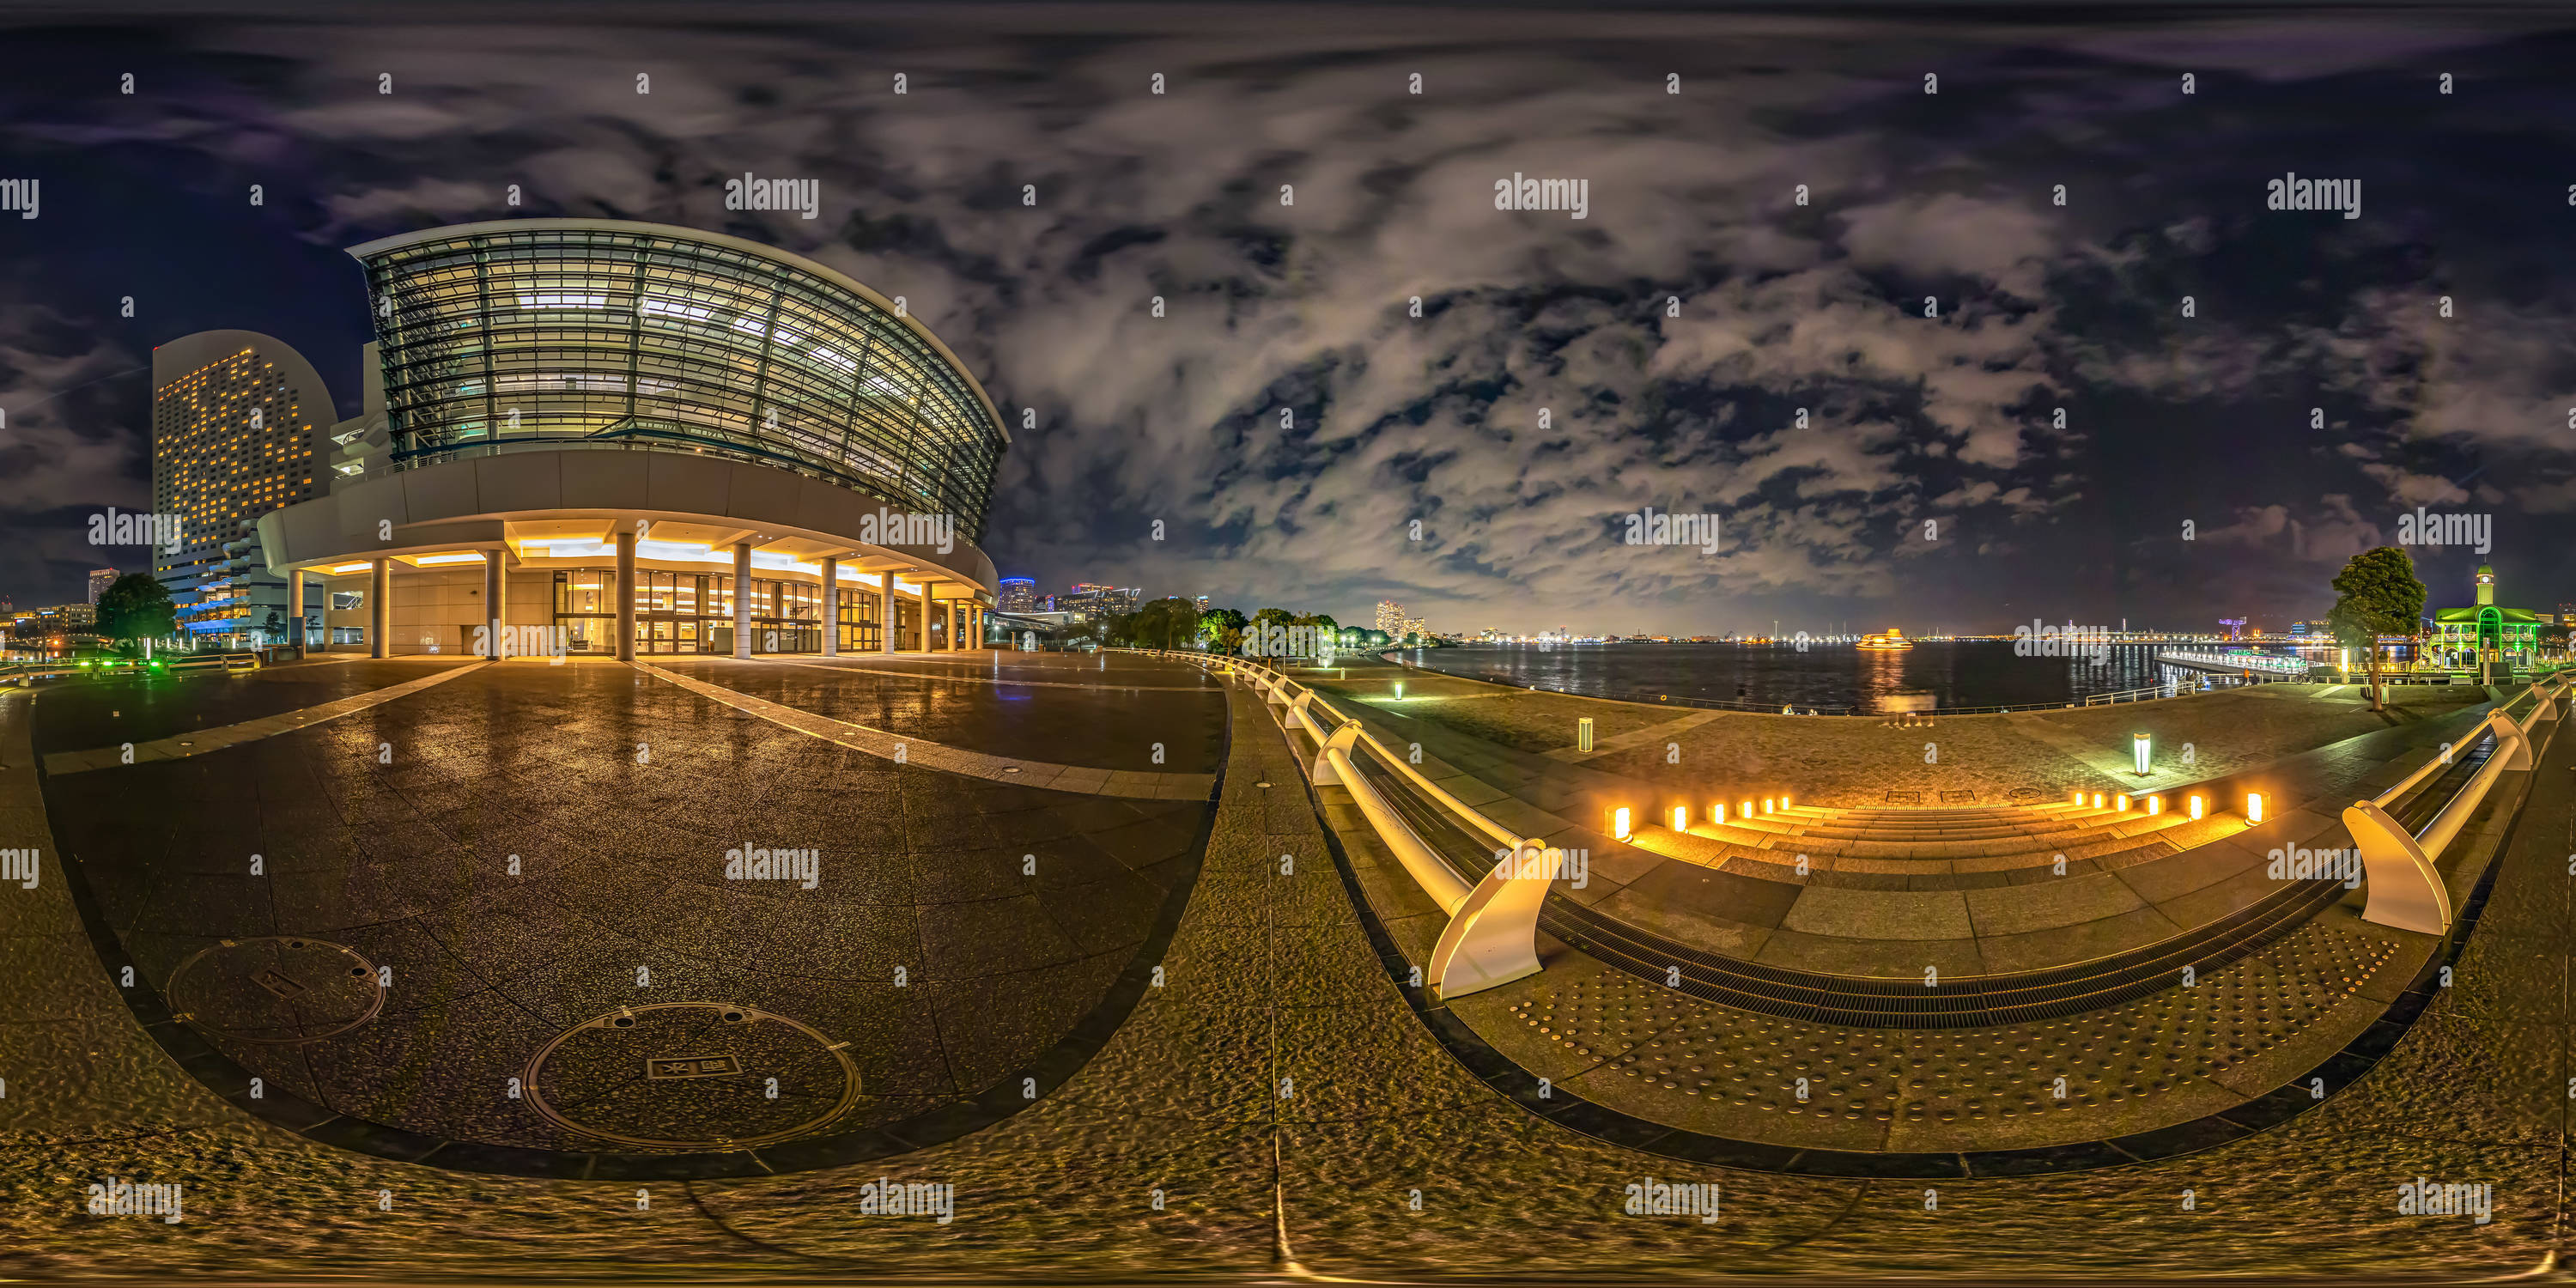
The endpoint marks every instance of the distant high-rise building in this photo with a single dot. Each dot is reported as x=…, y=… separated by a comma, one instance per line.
x=1099, y=601
x=238, y=423
x=1201, y=601
x=1018, y=595
x=1390, y=618
x=99, y=580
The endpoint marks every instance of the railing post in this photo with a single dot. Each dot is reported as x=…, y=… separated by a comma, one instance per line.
x=1342, y=740
x=1493, y=938
x=2406, y=890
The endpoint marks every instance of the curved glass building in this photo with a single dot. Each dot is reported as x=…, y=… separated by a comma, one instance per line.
x=540, y=330
x=594, y=436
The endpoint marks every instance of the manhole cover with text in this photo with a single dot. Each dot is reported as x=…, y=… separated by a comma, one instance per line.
x=280, y=989
x=694, y=1075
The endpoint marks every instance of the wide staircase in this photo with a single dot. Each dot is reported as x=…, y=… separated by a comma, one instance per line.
x=1943, y=847
x=1880, y=842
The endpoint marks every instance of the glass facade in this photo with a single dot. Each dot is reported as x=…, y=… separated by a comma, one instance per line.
x=692, y=612
x=543, y=332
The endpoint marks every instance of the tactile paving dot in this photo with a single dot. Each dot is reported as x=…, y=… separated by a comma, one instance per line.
x=1674, y=1042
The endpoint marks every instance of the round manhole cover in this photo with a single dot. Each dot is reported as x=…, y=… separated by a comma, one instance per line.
x=280, y=989
x=704, y=1075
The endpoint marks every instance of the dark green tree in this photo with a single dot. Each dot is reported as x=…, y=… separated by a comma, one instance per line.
x=2377, y=594
x=1222, y=628
x=1166, y=623
x=136, y=607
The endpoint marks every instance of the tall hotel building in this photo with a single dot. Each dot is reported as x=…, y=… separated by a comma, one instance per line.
x=623, y=438
x=234, y=436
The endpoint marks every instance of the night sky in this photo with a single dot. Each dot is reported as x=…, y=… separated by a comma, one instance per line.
x=2171, y=420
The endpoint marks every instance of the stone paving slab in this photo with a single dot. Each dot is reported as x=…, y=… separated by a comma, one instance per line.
x=954, y=760
x=202, y=741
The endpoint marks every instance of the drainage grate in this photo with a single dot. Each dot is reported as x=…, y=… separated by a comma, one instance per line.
x=1958, y=798
x=692, y=1075
x=1896, y=797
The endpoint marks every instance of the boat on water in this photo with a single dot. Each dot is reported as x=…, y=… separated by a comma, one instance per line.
x=1892, y=639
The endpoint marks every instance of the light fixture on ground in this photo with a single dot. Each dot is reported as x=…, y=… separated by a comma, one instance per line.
x=2139, y=750
x=2195, y=809
x=1681, y=818
x=1619, y=823
x=2253, y=807
x=2155, y=805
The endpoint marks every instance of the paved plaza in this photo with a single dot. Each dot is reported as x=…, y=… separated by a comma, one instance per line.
x=1232, y=1072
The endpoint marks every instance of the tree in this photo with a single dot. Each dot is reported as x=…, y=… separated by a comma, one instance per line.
x=136, y=606
x=2377, y=594
x=1166, y=623
x=1222, y=628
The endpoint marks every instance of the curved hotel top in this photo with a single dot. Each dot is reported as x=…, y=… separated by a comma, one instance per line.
x=540, y=331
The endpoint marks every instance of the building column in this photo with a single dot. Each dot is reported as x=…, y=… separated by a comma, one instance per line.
x=831, y=607
x=380, y=614
x=924, y=588
x=885, y=615
x=742, y=599
x=295, y=608
x=494, y=610
x=625, y=593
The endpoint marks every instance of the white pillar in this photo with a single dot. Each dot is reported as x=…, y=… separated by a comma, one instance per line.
x=625, y=594
x=831, y=606
x=924, y=589
x=885, y=614
x=380, y=581
x=742, y=599
x=494, y=611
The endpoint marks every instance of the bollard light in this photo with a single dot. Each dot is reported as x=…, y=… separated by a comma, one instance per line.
x=1745, y=810
x=1784, y=804
x=2138, y=750
x=1619, y=823
x=1766, y=804
x=2155, y=805
x=2097, y=800
x=1399, y=690
x=2076, y=798
x=2195, y=809
x=1681, y=818
x=2253, y=807
x=1717, y=812
x=2121, y=803
x=1583, y=734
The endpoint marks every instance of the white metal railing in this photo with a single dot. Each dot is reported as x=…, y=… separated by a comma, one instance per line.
x=1492, y=935
x=2406, y=888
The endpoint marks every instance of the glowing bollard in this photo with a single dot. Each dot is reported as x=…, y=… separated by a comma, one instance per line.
x=1619, y=823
